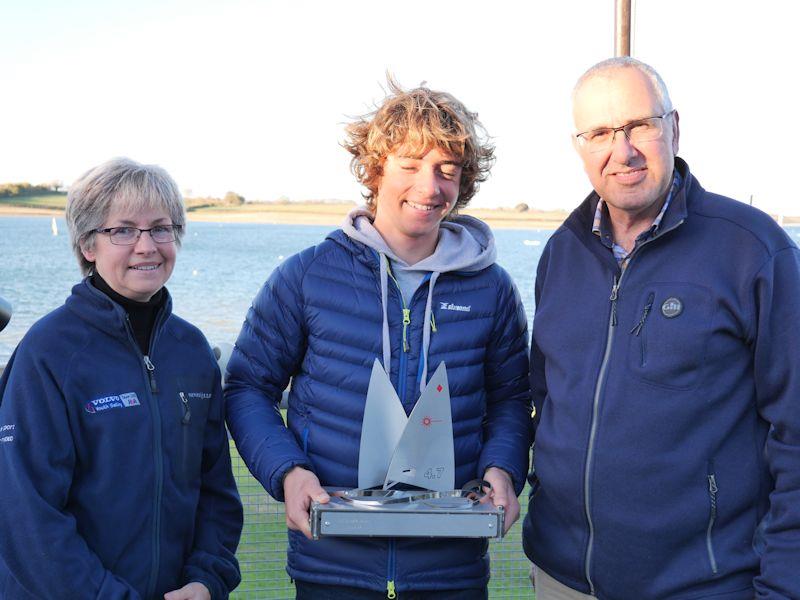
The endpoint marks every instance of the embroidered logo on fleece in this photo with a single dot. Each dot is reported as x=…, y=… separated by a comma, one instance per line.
x=7, y=433
x=456, y=307
x=121, y=401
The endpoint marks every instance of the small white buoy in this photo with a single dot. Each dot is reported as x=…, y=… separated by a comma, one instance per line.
x=280, y=257
x=194, y=272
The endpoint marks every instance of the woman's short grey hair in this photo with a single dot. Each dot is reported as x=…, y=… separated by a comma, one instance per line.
x=628, y=62
x=121, y=185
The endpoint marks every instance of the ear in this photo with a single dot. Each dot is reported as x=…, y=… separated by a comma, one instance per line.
x=88, y=253
x=676, y=132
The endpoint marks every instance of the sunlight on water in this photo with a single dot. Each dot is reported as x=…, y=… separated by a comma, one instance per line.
x=219, y=269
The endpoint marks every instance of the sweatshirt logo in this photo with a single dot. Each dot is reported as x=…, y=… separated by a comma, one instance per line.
x=672, y=307
x=456, y=307
x=126, y=400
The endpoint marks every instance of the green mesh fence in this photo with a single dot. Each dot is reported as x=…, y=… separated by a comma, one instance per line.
x=262, y=551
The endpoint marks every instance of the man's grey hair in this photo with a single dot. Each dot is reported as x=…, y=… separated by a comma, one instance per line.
x=628, y=62
x=124, y=186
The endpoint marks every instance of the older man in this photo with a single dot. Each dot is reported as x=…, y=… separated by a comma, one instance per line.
x=665, y=355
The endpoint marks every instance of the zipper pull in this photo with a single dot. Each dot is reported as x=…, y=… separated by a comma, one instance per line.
x=187, y=411
x=613, y=299
x=712, y=484
x=151, y=375
x=390, y=593
x=406, y=323
x=637, y=329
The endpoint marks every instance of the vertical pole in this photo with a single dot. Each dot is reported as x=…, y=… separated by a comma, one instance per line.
x=622, y=27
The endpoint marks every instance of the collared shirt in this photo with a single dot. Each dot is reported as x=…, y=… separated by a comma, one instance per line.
x=601, y=229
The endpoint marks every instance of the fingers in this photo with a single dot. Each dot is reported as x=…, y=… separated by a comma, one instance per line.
x=503, y=494
x=300, y=488
x=191, y=591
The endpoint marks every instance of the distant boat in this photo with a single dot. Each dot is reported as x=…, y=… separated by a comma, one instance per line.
x=531, y=242
x=54, y=226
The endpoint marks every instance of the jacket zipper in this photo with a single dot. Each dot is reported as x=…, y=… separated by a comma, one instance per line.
x=390, y=590
x=158, y=458
x=401, y=392
x=712, y=517
x=401, y=379
x=185, y=420
x=596, y=402
x=612, y=323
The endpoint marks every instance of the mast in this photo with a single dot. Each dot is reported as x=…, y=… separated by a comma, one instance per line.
x=622, y=27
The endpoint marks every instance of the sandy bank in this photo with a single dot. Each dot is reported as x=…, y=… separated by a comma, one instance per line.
x=333, y=215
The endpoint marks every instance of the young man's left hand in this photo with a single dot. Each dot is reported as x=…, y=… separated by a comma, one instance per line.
x=502, y=494
x=191, y=591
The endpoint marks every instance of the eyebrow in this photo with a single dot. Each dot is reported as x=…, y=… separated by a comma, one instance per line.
x=455, y=163
x=623, y=125
x=129, y=223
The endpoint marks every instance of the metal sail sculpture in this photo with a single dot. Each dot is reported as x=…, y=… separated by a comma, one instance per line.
x=415, y=450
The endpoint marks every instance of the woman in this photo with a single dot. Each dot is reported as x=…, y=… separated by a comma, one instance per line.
x=116, y=471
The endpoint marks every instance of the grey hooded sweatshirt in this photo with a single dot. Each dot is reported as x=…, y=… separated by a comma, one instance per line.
x=465, y=244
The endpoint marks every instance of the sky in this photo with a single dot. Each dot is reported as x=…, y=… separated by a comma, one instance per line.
x=252, y=96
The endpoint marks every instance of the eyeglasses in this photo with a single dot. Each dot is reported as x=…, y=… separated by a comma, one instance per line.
x=643, y=130
x=128, y=236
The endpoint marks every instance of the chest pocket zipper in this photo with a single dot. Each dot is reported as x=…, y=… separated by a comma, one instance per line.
x=637, y=329
x=712, y=517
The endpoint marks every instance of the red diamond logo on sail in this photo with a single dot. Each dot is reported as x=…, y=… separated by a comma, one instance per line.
x=439, y=388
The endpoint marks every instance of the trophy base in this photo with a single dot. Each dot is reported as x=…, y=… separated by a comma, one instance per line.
x=432, y=518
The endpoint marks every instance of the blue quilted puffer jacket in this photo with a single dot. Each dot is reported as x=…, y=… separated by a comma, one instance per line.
x=318, y=321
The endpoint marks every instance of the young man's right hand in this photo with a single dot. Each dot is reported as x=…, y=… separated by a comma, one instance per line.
x=300, y=488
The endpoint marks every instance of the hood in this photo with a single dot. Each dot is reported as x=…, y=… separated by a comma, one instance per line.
x=466, y=244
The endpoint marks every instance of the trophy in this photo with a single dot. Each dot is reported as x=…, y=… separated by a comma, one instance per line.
x=406, y=473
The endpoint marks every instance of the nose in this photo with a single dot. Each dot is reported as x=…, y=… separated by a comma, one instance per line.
x=621, y=148
x=145, y=244
x=426, y=183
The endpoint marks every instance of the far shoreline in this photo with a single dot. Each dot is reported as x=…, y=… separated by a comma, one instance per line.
x=323, y=213
x=333, y=213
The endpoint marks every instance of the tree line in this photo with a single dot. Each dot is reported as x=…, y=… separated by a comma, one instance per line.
x=13, y=190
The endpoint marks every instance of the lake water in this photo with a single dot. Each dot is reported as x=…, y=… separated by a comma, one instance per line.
x=219, y=269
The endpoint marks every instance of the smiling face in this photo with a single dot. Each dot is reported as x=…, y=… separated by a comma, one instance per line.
x=414, y=195
x=632, y=179
x=137, y=271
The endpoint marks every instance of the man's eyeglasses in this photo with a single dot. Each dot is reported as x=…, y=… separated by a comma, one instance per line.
x=643, y=130
x=127, y=236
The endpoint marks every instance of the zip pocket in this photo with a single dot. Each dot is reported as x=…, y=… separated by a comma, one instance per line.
x=712, y=517
x=637, y=329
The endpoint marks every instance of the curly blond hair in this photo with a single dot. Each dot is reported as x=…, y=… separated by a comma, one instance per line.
x=418, y=121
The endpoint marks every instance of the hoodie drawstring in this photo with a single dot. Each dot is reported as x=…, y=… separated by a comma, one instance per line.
x=387, y=348
x=426, y=331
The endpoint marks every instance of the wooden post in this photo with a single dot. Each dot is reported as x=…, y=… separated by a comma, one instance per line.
x=622, y=27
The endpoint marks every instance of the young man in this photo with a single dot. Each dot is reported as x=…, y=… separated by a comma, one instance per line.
x=664, y=363
x=409, y=283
